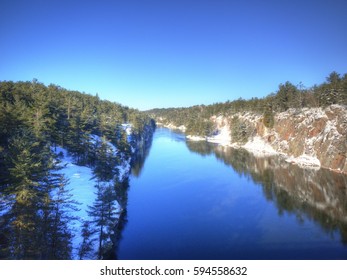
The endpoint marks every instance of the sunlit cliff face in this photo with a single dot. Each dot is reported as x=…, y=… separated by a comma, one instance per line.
x=318, y=135
x=317, y=132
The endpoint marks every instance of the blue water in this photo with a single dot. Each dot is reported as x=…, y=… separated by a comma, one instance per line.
x=203, y=201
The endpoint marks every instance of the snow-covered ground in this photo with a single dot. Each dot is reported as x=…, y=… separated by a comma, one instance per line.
x=195, y=138
x=259, y=147
x=95, y=139
x=4, y=205
x=127, y=128
x=82, y=187
x=222, y=137
x=305, y=161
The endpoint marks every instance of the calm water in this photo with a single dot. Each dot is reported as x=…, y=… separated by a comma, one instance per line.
x=195, y=200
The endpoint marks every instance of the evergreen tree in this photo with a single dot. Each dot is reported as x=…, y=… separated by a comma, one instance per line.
x=287, y=97
x=58, y=215
x=86, y=250
x=104, y=216
x=106, y=161
x=268, y=117
x=25, y=187
x=343, y=96
x=38, y=217
x=240, y=130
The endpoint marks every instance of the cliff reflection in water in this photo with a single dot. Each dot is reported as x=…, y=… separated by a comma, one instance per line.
x=318, y=195
x=137, y=163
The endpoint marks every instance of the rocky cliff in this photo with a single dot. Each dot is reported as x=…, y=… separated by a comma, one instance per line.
x=318, y=133
x=309, y=136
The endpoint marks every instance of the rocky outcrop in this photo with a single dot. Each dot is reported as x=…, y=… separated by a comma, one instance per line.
x=309, y=136
x=316, y=133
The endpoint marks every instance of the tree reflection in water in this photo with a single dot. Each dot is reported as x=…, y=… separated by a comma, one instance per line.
x=138, y=161
x=318, y=195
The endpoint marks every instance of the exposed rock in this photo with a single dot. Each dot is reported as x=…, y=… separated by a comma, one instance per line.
x=310, y=133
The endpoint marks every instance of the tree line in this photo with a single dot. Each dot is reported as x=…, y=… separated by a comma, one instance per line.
x=35, y=206
x=197, y=121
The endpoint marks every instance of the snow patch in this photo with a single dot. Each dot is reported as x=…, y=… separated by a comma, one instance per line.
x=124, y=169
x=259, y=147
x=195, y=138
x=95, y=139
x=5, y=205
x=127, y=128
x=81, y=185
x=305, y=161
x=222, y=136
x=82, y=188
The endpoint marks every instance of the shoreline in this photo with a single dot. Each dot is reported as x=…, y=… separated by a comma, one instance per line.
x=257, y=146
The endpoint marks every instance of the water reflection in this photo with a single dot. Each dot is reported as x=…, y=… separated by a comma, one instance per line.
x=137, y=164
x=197, y=200
x=318, y=195
x=139, y=158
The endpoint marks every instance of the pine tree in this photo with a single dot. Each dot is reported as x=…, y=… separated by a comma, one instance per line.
x=59, y=209
x=77, y=140
x=288, y=96
x=106, y=161
x=104, y=216
x=268, y=117
x=86, y=250
x=25, y=186
x=38, y=215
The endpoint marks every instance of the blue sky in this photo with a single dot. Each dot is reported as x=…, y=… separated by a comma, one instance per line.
x=172, y=53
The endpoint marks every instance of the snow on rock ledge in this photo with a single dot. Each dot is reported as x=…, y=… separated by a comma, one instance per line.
x=308, y=137
x=195, y=138
x=259, y=147
x=305, y=161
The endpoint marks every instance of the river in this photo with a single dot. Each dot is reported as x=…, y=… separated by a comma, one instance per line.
x=197, y=200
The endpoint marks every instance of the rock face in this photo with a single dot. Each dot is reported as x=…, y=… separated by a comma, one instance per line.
x=315, y=136
x=318, y=133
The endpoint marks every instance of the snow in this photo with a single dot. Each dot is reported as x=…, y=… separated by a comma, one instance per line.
x=95, y=139
x=127, y=128
x=259, y=147
x=222, y=137
x=182, y=127
x=5, y=205
x=124, y=169
x=305, y=161
x=195, y=138
x=82, y=187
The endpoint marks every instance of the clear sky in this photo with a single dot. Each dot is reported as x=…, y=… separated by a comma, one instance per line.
x=172, y=53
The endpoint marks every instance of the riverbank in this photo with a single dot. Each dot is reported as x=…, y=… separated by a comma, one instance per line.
x=309, y=137
x=87, y=191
